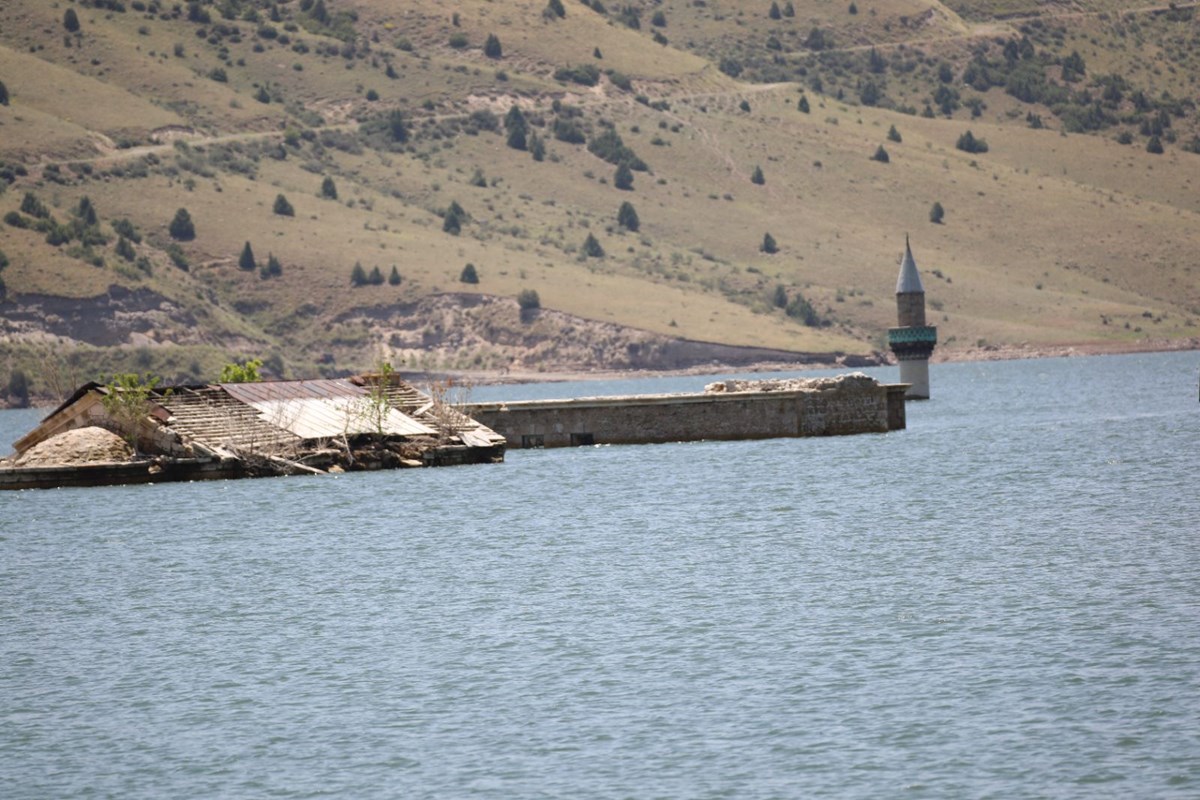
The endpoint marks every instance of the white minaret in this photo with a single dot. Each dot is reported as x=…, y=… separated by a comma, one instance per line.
x=913, y=341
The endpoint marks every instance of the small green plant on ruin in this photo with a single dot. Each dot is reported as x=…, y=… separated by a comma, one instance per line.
x=245, y=372
x=126, y=401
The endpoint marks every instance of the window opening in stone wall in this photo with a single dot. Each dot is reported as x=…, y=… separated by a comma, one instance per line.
x=533, y=440
x=583, y=439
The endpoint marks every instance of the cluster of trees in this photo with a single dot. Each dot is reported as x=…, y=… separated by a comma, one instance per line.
x=82, y=228
x=271, y=269
x=776, y=13
x=360, y=277
x=796, y=307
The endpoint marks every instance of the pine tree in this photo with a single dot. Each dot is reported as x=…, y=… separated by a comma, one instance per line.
x=517, y=127
x=881, y=155
x=768, y=245
x=555, y=7
x=394, y=278
x=468, y=274
x=592, y=248
x=451, y=224
x=774, y=13
x=491, y=47
x=780, y=299
x=398, y=126
x=627, y=217
x=71, y=21
x=358, y=275
x=893, y=134
x=936, y=213
x=125, y=249
x=623, y=179
x=757, y=177
x=537, y=148
x=246, y=260
x=182, y=228
x=86, y=212
x=376, y=277
x=3, y=94
x=273, y=269
x=803, y=104
x=282, y=207
x=329, y=188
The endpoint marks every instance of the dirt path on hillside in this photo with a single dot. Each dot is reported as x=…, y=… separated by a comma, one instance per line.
x=998, y=27
x=109, y=153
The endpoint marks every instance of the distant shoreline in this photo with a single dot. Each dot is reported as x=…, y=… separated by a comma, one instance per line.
x=1005, y=352
x=942, y=356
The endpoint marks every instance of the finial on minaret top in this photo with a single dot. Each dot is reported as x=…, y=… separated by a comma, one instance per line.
x=909, y=281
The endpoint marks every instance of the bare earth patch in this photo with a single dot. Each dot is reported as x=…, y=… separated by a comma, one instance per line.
x=73, y=448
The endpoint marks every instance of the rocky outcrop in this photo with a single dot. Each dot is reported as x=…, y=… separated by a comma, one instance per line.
x=854, y=381
x=114, y=318
x=471, y=331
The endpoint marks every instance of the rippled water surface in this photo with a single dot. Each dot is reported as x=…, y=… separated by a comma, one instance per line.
x=1000, y=601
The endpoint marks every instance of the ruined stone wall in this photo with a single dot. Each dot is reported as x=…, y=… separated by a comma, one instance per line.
x=848, y=409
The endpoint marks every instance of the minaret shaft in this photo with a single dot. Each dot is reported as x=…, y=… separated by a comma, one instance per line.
x=913, y=341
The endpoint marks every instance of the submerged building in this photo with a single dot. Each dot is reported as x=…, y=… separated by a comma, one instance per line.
x=912, y=341
x=110, y=435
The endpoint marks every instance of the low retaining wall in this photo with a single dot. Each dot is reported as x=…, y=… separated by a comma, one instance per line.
x=829, y=407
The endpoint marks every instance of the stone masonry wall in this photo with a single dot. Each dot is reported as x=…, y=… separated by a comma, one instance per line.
x=859, y=406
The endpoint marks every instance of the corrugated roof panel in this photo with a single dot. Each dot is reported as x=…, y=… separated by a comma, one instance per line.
x=326, y=417
x=287, y=390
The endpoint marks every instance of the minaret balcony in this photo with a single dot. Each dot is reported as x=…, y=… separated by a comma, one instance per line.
x=916, y=334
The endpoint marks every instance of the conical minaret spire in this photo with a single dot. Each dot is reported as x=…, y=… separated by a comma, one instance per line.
x=913, y=341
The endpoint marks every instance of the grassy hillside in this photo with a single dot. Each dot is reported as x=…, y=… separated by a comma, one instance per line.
x=388, y=132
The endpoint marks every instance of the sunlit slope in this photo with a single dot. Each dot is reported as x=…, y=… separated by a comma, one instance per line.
x=1047, y=237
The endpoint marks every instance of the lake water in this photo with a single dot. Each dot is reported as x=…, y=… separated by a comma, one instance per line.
x=1001, y=601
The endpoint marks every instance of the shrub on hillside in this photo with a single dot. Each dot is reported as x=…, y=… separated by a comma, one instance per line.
x=182, y=228
x=969, y=144
x=282, y=207
x=623, y=178
x=881, y=155
x=592, y=248
x=468, y=275
x=583, y=74
x=936, y=213
x=528, y=300
x=609, y=146
x=492, y=48
x=569, y=131
x=768, y=245
x=627, y=217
